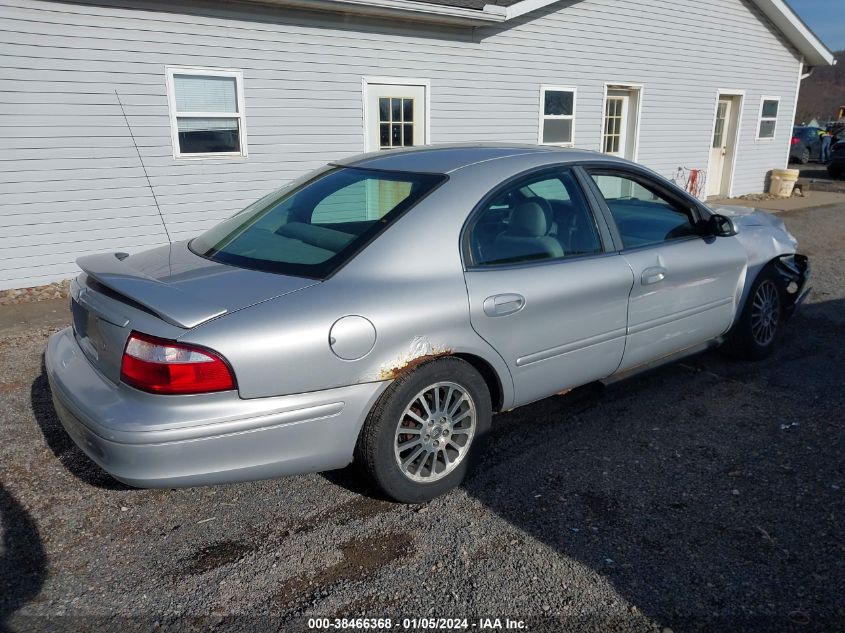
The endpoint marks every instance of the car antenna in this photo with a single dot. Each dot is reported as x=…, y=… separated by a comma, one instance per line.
x=144, y=167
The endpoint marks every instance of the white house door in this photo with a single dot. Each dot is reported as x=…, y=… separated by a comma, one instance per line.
x=621, y=121
x=396, y=116
x=721, y=149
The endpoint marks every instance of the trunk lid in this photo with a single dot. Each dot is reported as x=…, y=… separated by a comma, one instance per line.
x=163, y=292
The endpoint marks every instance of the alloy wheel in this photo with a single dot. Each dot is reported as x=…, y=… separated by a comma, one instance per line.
x=435, y=432
x=765, y=313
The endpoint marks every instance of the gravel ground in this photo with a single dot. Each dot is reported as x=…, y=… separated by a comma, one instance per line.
x=706, y=495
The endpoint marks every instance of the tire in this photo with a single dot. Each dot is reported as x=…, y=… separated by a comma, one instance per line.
x=381, y=447
x=760, y=327
x=835, y=172
x=804, y=158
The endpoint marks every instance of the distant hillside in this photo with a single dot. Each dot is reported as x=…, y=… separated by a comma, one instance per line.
x=822, y=92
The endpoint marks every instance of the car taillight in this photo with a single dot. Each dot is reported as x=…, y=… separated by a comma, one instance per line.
x=795, y=140
x=167, y=367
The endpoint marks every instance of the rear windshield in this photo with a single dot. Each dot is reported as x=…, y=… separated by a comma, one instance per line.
x=313, y=229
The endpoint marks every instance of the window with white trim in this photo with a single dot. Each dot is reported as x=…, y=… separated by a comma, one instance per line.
x=557, y=115
x=768, y=123
x=206, y=112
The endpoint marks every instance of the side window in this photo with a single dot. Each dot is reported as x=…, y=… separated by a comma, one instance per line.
x=557, y=115
x=769, y=107
x=642, y=214
x=540, y=218
x=206, y=112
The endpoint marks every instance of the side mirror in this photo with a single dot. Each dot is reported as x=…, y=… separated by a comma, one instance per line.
x=719, y=226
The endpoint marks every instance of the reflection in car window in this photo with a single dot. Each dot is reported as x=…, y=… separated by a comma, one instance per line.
x=550, y=188
x=643, y=216
x=540, y=218
x=313, y=229
x=368, y=199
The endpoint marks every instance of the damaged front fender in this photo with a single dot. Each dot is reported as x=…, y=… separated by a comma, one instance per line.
x=794, y=271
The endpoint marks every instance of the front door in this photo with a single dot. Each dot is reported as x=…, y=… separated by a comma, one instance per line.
x=719, y=147
x=621, y=121
x=396, y=116
x=542, y=290
x=686, y=287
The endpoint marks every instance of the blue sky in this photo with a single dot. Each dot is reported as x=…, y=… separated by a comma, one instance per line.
x=826, y=18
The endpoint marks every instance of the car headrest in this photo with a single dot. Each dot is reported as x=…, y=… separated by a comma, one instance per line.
x=528, y=220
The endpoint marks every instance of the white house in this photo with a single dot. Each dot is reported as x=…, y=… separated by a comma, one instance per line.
x=229, y=100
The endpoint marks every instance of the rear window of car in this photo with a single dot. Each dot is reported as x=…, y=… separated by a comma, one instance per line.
x=313, y=229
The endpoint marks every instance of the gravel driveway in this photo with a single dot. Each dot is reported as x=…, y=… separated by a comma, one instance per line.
x=701, y=496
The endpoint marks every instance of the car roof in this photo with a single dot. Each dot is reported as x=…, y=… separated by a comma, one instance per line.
x=444, y=159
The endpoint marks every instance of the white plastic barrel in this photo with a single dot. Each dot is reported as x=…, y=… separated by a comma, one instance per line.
x=783, y=182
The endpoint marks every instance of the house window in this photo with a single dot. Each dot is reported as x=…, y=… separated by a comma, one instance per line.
x=768, y=117
x=206, y=112
x=557, y=115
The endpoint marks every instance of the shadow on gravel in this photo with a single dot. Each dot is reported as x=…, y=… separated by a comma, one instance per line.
x=63, y=447
x=708, y=493
x=23, y=563
x=352, y=479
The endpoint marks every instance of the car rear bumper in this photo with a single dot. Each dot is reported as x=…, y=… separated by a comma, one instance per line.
x=149, y=440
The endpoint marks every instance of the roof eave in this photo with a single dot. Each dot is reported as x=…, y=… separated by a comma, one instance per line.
x=815, y=53
x=402, y=9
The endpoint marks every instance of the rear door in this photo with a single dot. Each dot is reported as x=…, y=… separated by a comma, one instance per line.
x=543, y=289
x=686, y=287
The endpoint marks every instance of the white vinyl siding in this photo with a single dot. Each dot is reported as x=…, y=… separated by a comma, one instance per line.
x=71, y=183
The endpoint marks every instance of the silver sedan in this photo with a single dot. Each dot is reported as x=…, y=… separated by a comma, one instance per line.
x=382, y=308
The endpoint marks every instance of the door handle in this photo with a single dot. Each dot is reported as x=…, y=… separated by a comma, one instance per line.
x=653, y=275
x=503, y=305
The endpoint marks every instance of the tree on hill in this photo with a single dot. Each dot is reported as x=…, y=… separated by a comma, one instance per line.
x=822, y=93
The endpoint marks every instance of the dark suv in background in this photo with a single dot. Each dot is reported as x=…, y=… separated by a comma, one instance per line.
x=836, y=166
x=806, y=145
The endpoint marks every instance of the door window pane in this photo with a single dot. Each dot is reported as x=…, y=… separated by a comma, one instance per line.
x=396, y=118
x=613, y=115
x=642, y=215
x=541, y=218
x=718, y=133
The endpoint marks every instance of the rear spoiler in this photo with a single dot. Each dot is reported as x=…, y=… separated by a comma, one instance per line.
x=177, y=307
